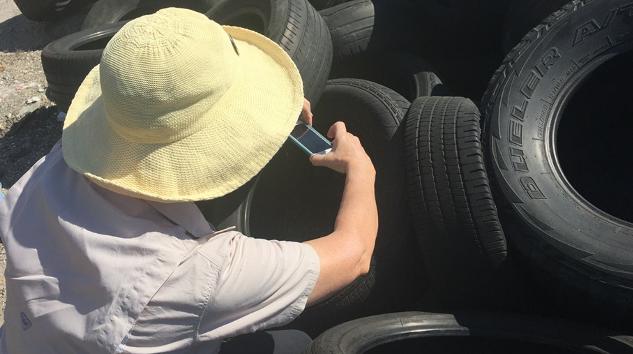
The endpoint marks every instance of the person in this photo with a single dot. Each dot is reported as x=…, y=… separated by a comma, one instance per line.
x=107, y=251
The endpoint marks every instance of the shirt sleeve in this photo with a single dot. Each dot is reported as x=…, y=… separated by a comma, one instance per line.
x=261, y=284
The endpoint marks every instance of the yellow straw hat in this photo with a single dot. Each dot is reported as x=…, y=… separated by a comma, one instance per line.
x=181, y=108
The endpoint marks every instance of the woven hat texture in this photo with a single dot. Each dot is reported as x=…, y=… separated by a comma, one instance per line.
x=181, y=108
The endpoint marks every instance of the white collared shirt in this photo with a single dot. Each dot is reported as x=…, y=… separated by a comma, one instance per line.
x=92, y=271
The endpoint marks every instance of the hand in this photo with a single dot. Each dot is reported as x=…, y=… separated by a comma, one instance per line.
x=306, y=112
x=347, y=152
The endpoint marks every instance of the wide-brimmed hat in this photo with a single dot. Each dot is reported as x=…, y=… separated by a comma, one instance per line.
x=181, y=108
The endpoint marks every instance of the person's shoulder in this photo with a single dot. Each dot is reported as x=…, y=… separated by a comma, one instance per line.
x=26, y=193
x=222, y=245
x=35, y=175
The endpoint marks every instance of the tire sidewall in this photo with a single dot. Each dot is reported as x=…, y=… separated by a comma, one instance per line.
x=65, y=66
x=527, y=107
x=364, y=334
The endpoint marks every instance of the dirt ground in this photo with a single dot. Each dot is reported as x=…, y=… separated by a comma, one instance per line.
x=29, y=123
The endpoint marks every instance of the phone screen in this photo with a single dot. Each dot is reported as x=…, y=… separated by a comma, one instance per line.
x=310, y=139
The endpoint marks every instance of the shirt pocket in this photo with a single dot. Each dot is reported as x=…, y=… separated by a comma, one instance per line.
x=36, y=295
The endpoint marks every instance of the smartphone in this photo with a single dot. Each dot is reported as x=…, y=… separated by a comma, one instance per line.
x=309, y=140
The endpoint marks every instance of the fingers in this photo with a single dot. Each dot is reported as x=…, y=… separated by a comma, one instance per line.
x=306, y=112
x=337, y=130
x=318, y=159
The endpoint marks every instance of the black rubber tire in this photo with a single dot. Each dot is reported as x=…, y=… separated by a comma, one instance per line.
x=456, y=219
x=105, y=12
x=587, y=250
x=402, y=72
x=361, y=26
x=324, y=4
x=45, y=10
x=523, y=15
x=295, y=25
x=68, y=60
x=307, y=200
x=419, y=332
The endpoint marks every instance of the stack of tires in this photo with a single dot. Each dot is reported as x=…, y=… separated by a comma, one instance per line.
x=293, y=24
x=542, y=166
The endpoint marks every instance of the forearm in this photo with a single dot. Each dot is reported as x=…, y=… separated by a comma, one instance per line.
x=346, y=253
x=357, y=218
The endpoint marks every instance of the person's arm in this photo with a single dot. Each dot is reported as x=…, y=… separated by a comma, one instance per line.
x=346, y=253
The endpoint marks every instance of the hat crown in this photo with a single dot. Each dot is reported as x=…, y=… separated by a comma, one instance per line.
x=160, y=73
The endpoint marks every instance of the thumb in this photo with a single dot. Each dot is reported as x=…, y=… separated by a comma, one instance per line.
x=318, y=159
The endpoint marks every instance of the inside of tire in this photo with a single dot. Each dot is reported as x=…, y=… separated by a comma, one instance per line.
x=255, y=19
x=98, y=43
x=593, y=142
x=294, y=200
x=469, y=344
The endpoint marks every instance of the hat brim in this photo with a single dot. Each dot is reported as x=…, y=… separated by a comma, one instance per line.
x=264, y=103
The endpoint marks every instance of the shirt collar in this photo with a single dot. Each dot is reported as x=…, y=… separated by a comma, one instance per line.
x=187, y=215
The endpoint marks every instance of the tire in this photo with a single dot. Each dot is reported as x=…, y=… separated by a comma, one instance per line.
x=402, y=72
x=295, y=25
x=45, y=10
x=105, y=12
x=569, y=202
x=523, y=15
x=324, y=4
x=456, y=219
x=419, y=332
x=68, y=60
x=307, y=201
x=361, y=26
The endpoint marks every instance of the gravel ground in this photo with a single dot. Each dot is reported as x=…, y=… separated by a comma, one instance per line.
x=29, y=123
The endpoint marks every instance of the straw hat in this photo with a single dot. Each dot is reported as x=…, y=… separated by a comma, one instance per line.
x=181, y=108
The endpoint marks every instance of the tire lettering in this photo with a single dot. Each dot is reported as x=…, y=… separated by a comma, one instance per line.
x=621, y=37
x=540, y=122
x=532, y=189
x=592, y=26
x=516, y=133
x=519, y=162
x=626, y=10
x=519, y=112
x=549, y=58
x=530, y=84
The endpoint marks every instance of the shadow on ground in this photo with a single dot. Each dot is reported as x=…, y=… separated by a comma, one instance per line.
x=27, y=142
x=21, y=34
